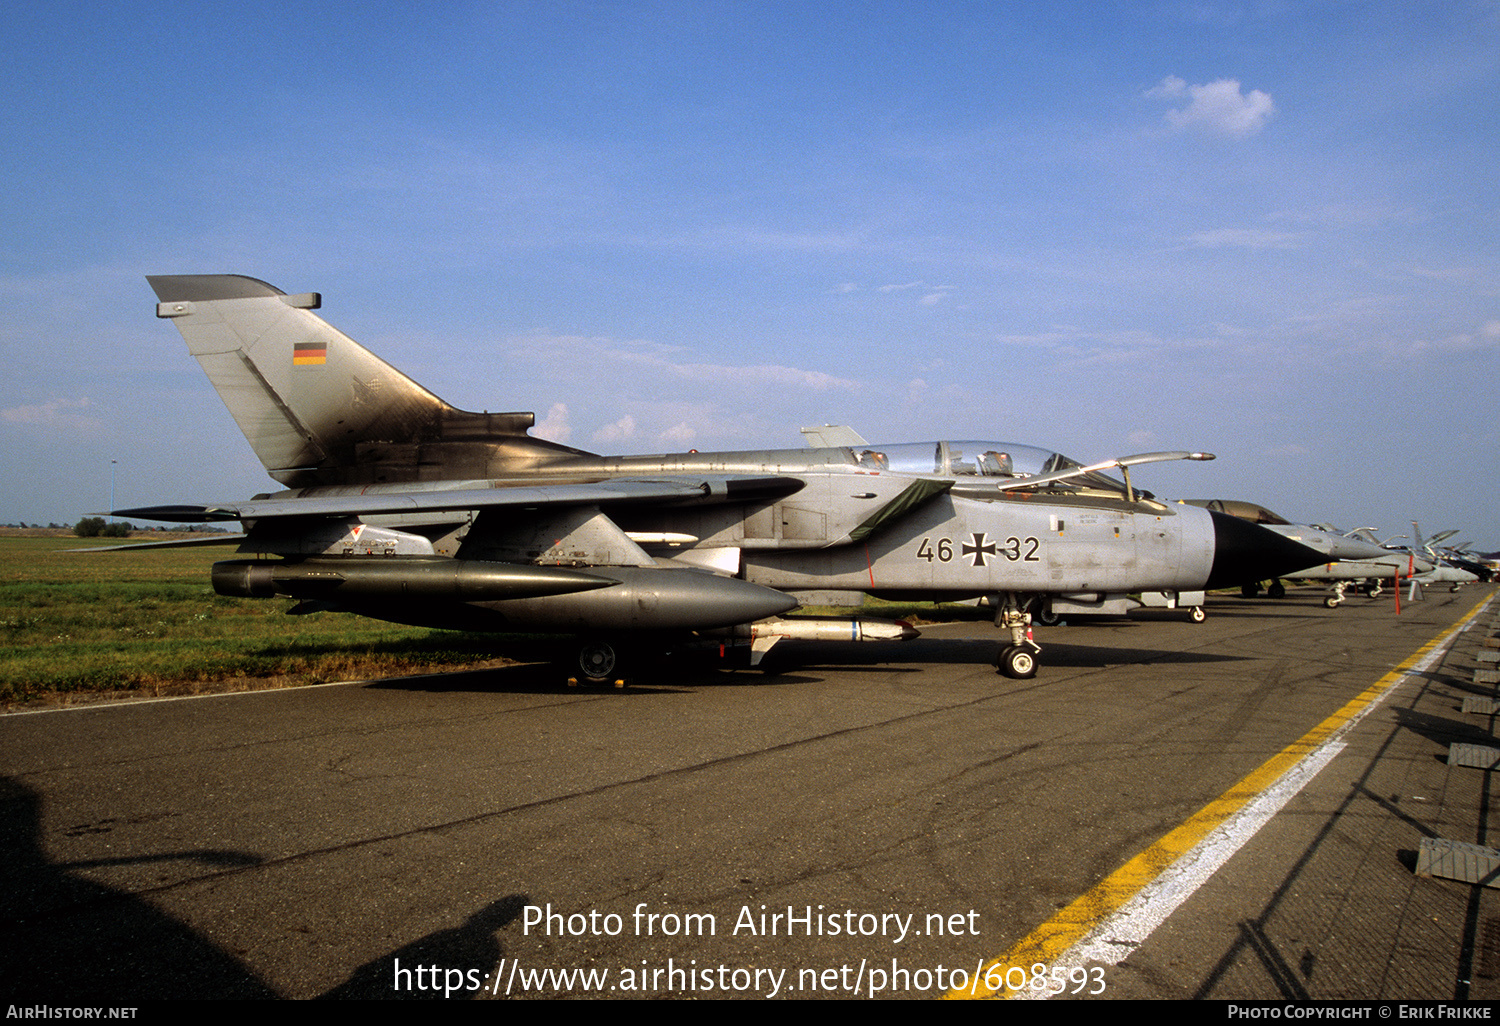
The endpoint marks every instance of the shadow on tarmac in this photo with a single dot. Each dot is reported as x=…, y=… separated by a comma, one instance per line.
x=67, y=938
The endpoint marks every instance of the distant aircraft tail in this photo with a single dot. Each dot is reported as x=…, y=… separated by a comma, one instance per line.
x=316, y=406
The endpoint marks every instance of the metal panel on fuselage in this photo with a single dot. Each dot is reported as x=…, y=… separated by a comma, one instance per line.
x=958, y=545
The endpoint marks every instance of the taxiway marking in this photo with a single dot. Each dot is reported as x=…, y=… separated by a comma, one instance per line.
x=1107, y=923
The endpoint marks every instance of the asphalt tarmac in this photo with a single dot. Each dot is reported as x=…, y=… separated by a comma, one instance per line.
x=884, y=819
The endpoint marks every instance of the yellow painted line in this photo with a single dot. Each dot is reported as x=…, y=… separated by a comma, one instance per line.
x=1048, y=942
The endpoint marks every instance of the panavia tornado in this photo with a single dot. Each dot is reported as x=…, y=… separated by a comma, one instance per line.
x=399, y=506
x=1345, y=557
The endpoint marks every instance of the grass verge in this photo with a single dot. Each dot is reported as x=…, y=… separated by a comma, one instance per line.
x=81, y=623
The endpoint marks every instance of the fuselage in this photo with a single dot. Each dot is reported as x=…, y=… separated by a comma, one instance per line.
x=931, y=519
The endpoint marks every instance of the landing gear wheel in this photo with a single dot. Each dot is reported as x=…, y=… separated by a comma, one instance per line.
x=1249, y=590
x=1018, y=662
x=596, y=661
x=1276, y=590
x=1331, y=602
x=1197, y=615
x=1042, y=613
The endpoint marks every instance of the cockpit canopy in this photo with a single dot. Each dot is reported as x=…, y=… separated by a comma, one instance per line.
x=999, y=461
x=1251, y=511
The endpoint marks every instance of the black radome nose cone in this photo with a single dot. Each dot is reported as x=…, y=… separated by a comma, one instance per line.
x=1245, y=553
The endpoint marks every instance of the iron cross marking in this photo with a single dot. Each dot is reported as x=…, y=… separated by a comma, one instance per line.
x=979, y=549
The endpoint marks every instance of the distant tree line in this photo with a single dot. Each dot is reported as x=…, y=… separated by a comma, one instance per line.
x=96, y=527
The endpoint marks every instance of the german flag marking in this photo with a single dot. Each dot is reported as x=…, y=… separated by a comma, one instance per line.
x=309, y=354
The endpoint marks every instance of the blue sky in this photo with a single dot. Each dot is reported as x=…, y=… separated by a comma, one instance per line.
x=1266, y=230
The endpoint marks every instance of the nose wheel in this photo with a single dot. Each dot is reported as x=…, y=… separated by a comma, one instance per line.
x=1018, y=659
x=1018, y=662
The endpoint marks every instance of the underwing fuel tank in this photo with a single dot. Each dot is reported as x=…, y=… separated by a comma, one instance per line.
x=646, y=598
x=473, y=594
x=364, y=580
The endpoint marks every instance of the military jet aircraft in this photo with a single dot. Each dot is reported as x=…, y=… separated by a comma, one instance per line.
x=401, y=507
x=1444, y=570
x=1367, y=575
x=1336, y=548
x=1460, y=557
x=1418, y=566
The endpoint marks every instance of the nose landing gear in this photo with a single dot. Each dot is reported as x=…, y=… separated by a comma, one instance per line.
x=1017, y=660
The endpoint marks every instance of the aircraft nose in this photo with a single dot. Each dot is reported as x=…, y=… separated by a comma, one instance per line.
x=1246, y=552
x=1343, y=547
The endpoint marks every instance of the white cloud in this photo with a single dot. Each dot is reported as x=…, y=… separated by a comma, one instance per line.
x=681, y=433
x=1248, y=238
x=634, y=395
x=55, y=413
x=554, y=427
x=1404, y=351
x=1171, y=86
x=656, y=361
x=931, y=294
x=1219, y=107
x=619, y=431
x=1447, y=273
x=761, y=241
x=1355, y=215
x=1083, y=346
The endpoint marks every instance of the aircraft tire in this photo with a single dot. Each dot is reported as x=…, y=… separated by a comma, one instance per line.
x=597, y=661
x=1017, y=662
x=1249, y=590
x=1040, y=613
x=1276, y=590
x=1197, y=615
x=1331, y=602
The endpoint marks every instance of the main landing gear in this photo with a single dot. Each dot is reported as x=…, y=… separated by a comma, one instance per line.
x=596, y=661
x=1041, y=612
x=1018, y=659
x=1340, y=587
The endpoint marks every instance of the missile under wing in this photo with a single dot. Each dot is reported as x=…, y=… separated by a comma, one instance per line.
x=400, y=506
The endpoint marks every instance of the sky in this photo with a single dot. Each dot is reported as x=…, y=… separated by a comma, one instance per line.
x=1265, y=230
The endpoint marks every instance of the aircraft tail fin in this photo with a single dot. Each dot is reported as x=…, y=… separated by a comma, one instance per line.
x=832, y=436
x=316, y=406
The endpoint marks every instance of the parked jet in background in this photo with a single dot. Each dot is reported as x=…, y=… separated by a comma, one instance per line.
x=1333, y=546
x=1419, y=566
x=401, y=507
x=1368, y=575
x=1443, y=571
x=1459, y=556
